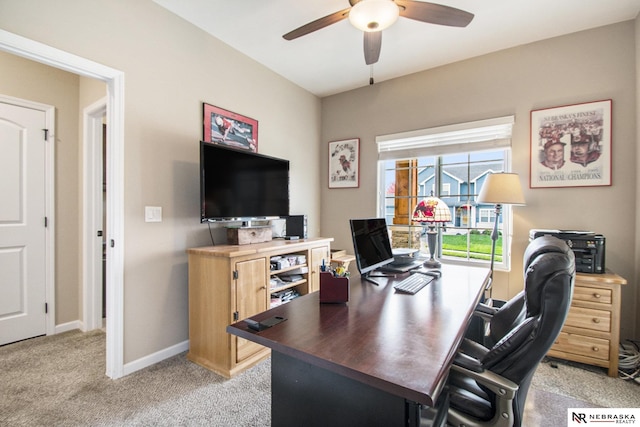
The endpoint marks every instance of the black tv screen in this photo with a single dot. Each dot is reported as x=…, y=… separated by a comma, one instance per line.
x=371, y=244
x=238, y=185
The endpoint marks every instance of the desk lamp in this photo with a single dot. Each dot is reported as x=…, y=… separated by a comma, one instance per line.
x=432, y=211
x=500, y=188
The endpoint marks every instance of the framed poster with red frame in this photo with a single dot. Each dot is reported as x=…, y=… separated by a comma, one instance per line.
x=228, y=128
x=344, y=163
x=571, y=146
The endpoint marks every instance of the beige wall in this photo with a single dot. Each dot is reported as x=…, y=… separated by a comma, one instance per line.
x=170, y=68
x=91, y=91
x=29, y=80
x=587, y=66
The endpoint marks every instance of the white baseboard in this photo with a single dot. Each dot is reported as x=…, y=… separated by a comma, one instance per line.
x=156, y=357
x=141, y=363
x=70, y=326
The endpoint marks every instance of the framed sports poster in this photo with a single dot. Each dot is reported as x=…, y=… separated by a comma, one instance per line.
x=228, y=128
x=571, y=146
x=344, y=163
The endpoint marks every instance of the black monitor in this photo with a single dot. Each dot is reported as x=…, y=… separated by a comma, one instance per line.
x=371, y=244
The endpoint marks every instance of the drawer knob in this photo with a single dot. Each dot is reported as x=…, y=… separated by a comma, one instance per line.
x=596, y=320
x=596, y=295
x=595, y=348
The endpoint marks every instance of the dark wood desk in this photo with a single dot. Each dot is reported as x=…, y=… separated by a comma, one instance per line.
x=371, y=361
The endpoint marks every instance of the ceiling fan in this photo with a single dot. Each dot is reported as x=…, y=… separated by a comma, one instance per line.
x=373, y=16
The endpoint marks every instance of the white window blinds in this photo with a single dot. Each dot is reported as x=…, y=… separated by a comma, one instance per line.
x=463, y=137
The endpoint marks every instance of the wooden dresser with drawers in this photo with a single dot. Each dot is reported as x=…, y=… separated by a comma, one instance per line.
x=591, y=333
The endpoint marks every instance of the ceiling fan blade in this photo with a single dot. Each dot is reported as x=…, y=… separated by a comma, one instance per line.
x=434, y=13
x=372, y=45
x=317, y=24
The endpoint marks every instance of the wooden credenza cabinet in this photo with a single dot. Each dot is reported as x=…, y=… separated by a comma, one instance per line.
x=229, y=283
x=591, y=333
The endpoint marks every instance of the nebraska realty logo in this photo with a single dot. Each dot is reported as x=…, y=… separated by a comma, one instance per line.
x=602, y=416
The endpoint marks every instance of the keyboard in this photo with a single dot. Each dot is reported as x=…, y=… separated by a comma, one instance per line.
x=413, y=283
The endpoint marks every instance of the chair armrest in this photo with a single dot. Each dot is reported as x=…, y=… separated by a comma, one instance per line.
x=502, y=387
x=473, y=349
x=467, y=362
x=485, y=309
x=505, y=392
x=485, y=312
x=489, y=308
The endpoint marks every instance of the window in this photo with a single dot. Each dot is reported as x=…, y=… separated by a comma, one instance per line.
x=487, y=216
x=445, y=189
x=451, y=163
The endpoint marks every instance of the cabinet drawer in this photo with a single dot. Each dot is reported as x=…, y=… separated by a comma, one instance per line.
x=581, y=345
x=587, y=318
x=600, y=295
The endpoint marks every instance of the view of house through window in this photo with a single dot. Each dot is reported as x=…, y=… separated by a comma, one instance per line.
x=456, y=177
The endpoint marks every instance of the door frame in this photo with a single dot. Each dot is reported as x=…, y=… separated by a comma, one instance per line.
x=114, y=79
x=92, y=208
x=49, y=206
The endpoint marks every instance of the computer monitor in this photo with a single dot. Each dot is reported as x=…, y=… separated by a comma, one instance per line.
x=371, y=244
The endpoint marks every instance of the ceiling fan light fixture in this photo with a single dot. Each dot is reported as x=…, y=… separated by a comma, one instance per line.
x=373, y=15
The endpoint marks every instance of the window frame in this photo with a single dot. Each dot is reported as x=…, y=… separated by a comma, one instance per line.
x=502, y=141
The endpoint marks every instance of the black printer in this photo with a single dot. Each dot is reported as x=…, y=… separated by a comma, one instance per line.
x=588, y=247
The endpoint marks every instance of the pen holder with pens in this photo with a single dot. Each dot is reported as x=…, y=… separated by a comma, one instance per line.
x=333, y=289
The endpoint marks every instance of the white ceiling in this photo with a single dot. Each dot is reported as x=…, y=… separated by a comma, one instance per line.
x=331, y=60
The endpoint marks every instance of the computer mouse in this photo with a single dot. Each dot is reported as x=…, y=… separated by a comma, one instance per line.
x=434, y=273
x=428, y=272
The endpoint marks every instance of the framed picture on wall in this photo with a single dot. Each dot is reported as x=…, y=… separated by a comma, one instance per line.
x=228, y=128
x=344, y=163
x=571, y=146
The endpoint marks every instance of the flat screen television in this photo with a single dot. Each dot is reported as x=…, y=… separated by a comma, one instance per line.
x=371, y=244
x=241, y=185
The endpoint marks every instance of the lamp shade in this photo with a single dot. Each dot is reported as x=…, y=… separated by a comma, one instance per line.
x=432, y=209
x=502, y=188
x=373, y=15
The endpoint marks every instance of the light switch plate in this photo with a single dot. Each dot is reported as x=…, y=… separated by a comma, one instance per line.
x=153, y=214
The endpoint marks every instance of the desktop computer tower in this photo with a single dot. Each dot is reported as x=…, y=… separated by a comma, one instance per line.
x=296, y=226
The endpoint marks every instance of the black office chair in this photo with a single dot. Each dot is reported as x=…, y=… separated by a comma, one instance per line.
x=494, y=319
x=488, y=385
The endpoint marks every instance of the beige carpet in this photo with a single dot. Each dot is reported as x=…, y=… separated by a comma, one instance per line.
x=59, y=381
x=556, y=389
x=586, y=383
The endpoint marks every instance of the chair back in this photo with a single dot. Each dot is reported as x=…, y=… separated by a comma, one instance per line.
x=549, y=274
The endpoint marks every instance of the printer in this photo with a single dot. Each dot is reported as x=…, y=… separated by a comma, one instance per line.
x=588, y=247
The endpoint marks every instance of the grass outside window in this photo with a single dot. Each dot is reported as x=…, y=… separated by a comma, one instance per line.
x=479, y=246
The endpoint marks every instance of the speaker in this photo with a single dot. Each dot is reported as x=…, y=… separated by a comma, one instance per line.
x=296, y=226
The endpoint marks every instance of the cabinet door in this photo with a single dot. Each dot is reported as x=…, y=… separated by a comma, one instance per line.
x=251, y=298
x=317, y=256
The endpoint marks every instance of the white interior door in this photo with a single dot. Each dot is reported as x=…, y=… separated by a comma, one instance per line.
x=22, y=223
